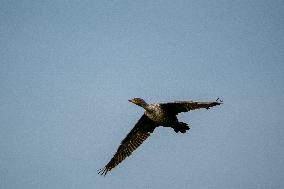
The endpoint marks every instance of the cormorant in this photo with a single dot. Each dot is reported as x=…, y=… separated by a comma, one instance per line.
x=158, y=114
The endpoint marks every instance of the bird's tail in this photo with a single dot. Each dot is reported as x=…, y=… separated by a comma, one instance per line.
x=181, y=127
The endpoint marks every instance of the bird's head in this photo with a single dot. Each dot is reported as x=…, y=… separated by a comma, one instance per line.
x=138, y=101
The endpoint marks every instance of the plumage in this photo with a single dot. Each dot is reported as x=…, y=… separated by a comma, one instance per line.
x=162, y=114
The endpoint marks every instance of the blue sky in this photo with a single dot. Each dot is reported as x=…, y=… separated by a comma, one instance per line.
x=68, y=68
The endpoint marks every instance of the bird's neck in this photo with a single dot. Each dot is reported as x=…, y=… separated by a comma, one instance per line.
x=144, y=105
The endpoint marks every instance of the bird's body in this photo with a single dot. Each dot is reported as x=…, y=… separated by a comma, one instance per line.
x=155, y=115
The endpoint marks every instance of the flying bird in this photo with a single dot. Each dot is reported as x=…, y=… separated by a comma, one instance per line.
x=155, y=115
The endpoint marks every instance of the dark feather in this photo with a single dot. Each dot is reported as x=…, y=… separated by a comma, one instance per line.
x=140, y=132
x=185, y=106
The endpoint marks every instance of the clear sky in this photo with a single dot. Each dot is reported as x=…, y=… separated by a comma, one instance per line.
x=68, y=68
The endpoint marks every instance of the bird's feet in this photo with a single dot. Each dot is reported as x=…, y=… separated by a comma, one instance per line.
x=181, y=127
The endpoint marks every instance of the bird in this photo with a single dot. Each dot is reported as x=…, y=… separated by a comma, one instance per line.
x=155, y=115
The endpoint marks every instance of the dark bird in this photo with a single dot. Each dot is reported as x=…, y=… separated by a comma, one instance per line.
x=155, y=115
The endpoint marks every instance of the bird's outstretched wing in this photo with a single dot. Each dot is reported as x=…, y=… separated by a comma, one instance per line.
x=140, y=132
x=185, y=106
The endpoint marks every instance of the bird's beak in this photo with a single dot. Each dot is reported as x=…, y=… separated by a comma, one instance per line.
x=130, y=101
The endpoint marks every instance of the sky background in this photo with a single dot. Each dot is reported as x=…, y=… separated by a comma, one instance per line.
x=68, y=68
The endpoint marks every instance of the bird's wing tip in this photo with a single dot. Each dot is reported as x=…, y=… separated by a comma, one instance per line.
x=103, y=171
x=218, y=100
